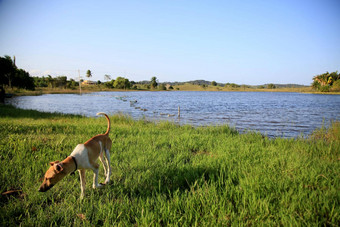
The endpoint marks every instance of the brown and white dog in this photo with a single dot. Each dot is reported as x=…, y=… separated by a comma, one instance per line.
x=83, y=157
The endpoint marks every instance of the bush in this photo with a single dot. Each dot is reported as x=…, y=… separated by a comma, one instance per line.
x=232, y=85
x=162, y=87
x=336, y=86
x=271, y=86
x=325, y=88
x=327, y=82
x=109, y=84
x=316, y=85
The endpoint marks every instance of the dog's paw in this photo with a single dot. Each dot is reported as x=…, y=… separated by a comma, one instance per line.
x=97, y=186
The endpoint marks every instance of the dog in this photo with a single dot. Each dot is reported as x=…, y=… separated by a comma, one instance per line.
x=83, y=157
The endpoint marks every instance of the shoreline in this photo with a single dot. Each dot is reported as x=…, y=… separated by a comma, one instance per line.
x=42, y=91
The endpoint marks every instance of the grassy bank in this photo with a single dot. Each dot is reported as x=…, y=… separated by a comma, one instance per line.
x=164, y=174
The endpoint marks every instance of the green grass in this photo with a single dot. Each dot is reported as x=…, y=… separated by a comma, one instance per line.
x=164, y=174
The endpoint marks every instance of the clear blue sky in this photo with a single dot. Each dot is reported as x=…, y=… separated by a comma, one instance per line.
x=245, y=42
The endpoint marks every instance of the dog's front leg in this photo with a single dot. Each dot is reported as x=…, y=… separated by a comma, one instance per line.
x=82, y=183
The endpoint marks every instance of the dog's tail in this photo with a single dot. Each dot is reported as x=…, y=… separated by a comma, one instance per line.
x=108, y=122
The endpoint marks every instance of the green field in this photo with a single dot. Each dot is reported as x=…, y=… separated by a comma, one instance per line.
x=164, y=174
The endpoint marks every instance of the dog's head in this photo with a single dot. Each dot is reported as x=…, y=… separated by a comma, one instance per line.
x=52, y=176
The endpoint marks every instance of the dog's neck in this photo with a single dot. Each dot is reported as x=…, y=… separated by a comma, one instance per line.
x=69, y=165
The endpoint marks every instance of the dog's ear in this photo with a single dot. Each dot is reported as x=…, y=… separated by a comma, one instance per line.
x=52, y=163
x=58, y=168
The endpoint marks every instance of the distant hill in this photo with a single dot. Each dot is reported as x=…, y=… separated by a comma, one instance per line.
x=194, y=82
x=287, y=85
x=205, y=82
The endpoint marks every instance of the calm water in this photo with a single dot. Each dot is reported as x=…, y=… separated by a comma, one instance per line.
x=273, y=114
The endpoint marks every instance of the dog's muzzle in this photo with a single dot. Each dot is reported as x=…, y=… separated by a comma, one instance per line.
x=45, y=188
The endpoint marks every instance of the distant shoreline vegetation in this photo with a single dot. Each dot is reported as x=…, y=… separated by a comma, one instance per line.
x=19, y=82
x=327, y=82
x=122, y=83
x=60, y=84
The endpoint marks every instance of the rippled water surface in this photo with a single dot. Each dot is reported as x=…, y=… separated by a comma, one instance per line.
x=273, y=114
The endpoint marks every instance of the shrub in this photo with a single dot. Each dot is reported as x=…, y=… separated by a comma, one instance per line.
x=162, y=87
x=316, y=85
x=324, y=88
x=271, y=86
x=336, y=86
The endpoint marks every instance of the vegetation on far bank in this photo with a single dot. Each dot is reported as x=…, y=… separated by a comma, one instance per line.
x=327, y=82
x=46, y=85
x=181, y=87
x=165, y=174
x=19, y=82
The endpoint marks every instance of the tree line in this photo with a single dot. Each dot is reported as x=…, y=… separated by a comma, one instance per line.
x=55, y=82
x=118, y=83
x=11, y=76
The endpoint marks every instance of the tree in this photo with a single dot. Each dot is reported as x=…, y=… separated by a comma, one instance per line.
x=88, y=74
x=122, y=83
x=72, y=84
x=7, y=71
x=325, y=81
x=11, y=76
x=271, y=86
x=162, y=87
x=109, y=84
x=213, y=83
x=40, y=82
x=153, y=82
x=22, y=79
x=61, y=81
x=50, y=81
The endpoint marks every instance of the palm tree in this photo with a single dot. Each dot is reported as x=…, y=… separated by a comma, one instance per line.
x=88, y=74
x=107, y=77
x=322, y=79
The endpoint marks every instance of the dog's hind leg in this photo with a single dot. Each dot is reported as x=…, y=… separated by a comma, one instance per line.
x=95, y=177
x=82, y=183
x=101, y=158
x=107, y=154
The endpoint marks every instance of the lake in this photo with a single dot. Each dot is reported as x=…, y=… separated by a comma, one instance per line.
x=274, y=114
